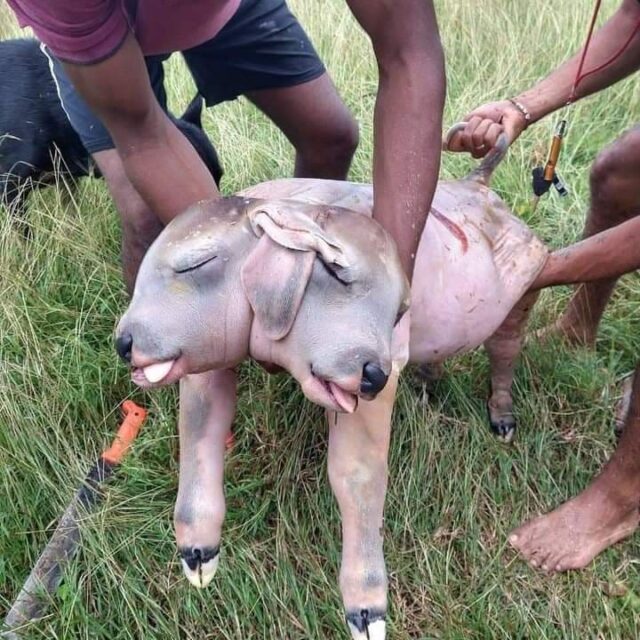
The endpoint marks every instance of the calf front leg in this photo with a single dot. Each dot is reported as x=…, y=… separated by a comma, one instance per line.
x=503, y=348
x=358, y=447
x=207, y=407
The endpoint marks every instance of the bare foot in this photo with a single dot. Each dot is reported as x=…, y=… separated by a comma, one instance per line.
x=576, y=532
x=570, y=331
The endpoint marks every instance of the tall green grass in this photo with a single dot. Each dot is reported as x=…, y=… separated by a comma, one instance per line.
x=454, y=492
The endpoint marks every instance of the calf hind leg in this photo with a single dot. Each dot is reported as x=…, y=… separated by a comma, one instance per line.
x=503, y=348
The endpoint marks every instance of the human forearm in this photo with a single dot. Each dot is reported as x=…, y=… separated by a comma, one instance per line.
x=608, y=254
x=408, y=115
x=408, y=130
x=164, y=168
x=158, y=159
x=553, y=92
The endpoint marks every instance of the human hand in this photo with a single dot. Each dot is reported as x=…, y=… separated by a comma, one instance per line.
x=485, y=124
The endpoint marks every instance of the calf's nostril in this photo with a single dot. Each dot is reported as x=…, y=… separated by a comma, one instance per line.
x=123, y=346
x=373, y=378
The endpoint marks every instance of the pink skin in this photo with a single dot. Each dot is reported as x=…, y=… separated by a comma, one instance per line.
x=336, y=395
x=357, y=463
x=340, y=396
x=249, y=292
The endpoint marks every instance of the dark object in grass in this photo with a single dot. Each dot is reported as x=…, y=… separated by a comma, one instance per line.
x=46, y=575
x=38, y=145
x=622, y=406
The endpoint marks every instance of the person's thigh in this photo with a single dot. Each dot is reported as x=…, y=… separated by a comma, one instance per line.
x=311, y=115
x=264, y=54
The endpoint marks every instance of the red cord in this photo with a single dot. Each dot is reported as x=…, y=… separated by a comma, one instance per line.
x=612, y=59
x=579, y=75
x=572, y=95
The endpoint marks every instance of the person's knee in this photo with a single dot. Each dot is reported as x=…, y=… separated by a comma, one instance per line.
x=614, y=176
x=336, y=142
x=604, y=173
x=346, y=136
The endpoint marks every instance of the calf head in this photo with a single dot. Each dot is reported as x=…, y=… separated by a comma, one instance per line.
x=312, y=289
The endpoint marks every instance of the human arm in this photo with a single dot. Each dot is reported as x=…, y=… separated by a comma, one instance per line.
x=608, y=254
x=407, y=117
x=159, y=161
x=488, y=121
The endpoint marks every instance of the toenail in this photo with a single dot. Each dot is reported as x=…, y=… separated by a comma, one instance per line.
x=545, y=567
x=513, y=538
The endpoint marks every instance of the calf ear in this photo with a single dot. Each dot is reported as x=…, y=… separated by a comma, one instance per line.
x=193, y=114
x=297, y=226
x=274, y=279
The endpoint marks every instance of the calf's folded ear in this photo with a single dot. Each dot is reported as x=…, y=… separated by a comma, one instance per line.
x=297, y=226
x=274, y=279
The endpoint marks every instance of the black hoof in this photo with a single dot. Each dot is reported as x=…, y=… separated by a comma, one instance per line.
x=194, y=556
x=363, y=620
x=504, y=427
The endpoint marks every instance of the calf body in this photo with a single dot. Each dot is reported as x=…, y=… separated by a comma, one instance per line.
x=292, y=274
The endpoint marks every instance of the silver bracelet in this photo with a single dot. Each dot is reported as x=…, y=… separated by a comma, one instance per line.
x=522, y=109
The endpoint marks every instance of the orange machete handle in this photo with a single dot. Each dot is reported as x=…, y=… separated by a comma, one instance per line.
x=127, y=432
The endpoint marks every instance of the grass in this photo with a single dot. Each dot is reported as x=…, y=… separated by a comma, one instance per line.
x=454, y=493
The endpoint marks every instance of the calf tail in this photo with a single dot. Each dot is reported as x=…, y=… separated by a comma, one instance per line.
x=483, y=172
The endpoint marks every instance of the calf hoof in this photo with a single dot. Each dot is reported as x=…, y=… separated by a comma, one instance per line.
x=199, y=565
x=502, y=423
x=367, y=625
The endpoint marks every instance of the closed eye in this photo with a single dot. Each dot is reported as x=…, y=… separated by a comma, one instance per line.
x=195, y=266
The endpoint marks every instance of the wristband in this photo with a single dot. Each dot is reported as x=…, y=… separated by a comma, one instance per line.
x=522, y=109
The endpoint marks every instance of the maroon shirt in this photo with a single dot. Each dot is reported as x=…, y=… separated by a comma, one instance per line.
x=88, y=31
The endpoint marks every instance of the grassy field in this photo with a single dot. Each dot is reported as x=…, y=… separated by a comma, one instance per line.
x=454, y=491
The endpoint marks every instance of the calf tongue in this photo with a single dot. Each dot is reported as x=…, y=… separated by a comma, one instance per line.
x=157, y=372
x=347, y=401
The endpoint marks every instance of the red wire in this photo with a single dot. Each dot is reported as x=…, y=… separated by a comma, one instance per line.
x=596, y=9
x=612, y=59
x=579, y=75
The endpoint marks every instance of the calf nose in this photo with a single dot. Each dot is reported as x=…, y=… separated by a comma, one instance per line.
x=373, y=378
x=123, y=346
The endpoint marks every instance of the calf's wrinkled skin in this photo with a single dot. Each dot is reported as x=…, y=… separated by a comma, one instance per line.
x=291, y=273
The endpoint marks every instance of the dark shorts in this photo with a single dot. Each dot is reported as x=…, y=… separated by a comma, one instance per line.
x=262, y=47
